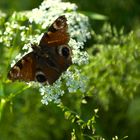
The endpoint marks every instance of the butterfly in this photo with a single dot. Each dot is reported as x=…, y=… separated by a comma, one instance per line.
x=49, y=59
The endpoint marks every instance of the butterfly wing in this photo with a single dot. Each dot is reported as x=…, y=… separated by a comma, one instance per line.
x=24, y=69
x=55, y=42
x=46, y=70
x=34, y=68
x=57, y=33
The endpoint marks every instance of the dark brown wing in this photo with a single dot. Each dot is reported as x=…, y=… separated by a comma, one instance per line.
x=46, y=70
x=57, y=33
x=24, y=69
x=34, y=67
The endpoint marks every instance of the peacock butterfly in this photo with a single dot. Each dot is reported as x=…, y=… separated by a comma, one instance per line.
x=49, y=59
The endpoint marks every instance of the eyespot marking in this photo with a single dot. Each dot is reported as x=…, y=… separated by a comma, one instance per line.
x=49, y=32
x=64, y=50
x=15, y=72
x=16, y=68
x=22, y=61
x=40, y=77
x=60, y=23
x=20, y=64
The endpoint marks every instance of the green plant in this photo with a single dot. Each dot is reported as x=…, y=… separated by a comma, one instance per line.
x=101, y=89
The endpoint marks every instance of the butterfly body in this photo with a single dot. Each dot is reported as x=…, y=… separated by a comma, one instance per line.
x=49, y=59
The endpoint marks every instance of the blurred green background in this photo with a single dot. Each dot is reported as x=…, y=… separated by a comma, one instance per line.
x=114, y=86
x=120, y=13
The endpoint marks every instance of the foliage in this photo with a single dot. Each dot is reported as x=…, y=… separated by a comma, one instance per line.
x=119, y=12
x=114, y=80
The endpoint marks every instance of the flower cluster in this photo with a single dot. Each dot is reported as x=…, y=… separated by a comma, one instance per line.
x=41, y=18
x=2, y=16
x=73, y=81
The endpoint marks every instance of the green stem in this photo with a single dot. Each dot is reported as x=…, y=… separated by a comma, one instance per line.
x=12, y=95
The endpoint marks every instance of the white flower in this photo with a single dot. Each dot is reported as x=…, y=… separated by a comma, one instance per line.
x=2, y=15
x=51, y=93
x=78, y=28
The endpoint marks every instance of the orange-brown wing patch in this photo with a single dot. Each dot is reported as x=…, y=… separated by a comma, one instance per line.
x=57, y=33
x=24, y=69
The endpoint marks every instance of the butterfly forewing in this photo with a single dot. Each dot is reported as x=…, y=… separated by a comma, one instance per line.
x=57, y=33
x=24, y=69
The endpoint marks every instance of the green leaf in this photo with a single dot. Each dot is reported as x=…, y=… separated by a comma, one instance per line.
x=95, y=16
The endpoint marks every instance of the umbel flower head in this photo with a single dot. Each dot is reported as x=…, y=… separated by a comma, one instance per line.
x=41, y=18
